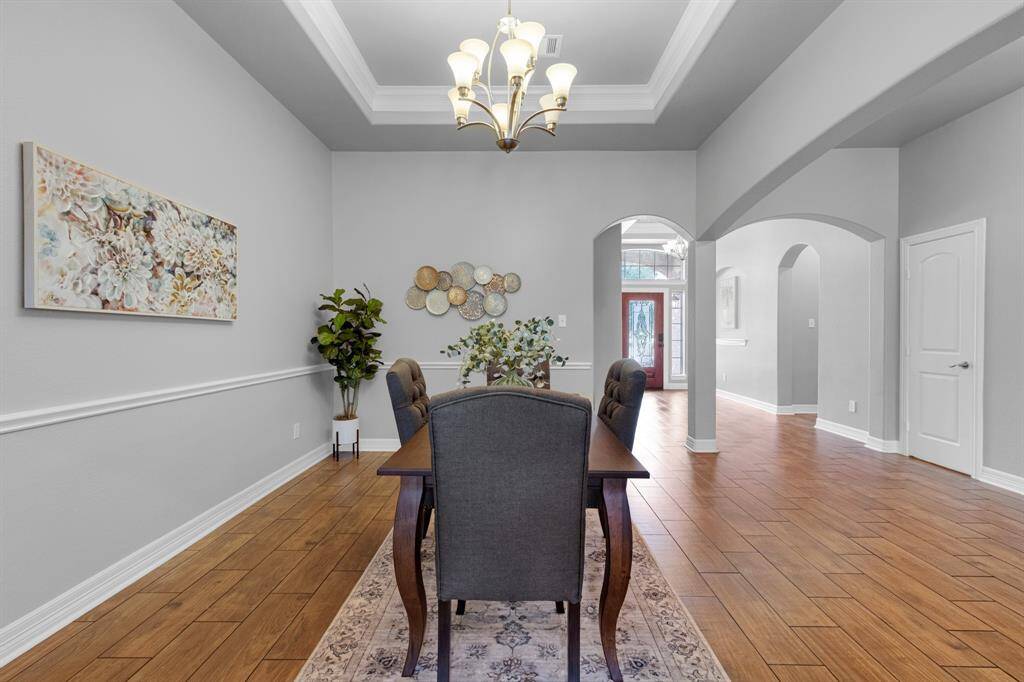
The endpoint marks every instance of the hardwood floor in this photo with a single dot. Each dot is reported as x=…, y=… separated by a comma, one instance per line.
x=802, y=556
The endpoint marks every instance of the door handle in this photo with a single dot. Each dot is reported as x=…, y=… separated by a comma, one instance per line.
x=961, y=365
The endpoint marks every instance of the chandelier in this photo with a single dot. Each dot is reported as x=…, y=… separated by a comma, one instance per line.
x=677, y=247
x=520, y=52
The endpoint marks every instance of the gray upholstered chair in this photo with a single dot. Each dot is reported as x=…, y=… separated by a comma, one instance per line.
x=409, y=398
x=623, y=392
x=510, y=483
x=410, y=403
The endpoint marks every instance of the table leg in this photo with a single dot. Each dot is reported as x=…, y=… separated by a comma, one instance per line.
x=617, y=568
x=408, y=571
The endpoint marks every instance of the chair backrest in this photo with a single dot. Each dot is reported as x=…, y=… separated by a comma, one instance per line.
x=409, y=398
x=510, y=478
x=623, y=393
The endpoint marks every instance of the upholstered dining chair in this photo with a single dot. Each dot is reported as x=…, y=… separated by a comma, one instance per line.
x=410, y=402
x=510, y=483
x=620, y=410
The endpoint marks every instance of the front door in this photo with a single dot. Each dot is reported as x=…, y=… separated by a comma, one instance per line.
x=643, y=333
x=942, y=317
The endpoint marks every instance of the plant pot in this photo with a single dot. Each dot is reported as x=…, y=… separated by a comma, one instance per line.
x=345, y=431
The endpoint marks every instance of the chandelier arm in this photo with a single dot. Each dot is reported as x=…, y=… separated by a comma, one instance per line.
x=486, y=90
x=490, y=60
x=497, y=126
x=477, y=123
x=534, y=115
x=535, y=127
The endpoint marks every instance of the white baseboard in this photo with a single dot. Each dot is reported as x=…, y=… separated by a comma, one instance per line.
x=894, y=447
x=379, y=444
x=859, y=435
x=1001, y=479
x=764, y=406
x=747, y=400
x=37, y=625
x=701, y=445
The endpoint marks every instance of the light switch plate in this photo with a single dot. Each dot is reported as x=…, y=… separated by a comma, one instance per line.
x=561, y=320
x=853, y=406
x=812, y=323
x=296, y=430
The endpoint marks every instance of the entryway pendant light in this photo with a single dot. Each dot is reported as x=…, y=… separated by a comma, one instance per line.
x=519, y=49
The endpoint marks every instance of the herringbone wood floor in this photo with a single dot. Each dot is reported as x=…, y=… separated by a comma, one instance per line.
x=802, y=556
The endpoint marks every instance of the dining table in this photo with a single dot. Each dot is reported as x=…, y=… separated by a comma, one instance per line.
x=610, y=465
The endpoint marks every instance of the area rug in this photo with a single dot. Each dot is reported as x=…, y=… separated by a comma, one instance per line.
x=515, y=641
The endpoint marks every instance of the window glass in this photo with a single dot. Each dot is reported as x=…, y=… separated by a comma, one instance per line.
x=644, y=264
x=678, y=314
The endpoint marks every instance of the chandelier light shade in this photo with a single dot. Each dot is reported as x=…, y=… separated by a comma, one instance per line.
x=520, y=47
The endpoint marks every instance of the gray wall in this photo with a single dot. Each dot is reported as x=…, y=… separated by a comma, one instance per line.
x=805, y=274
x=974, y=168
x=138, y=90
x=607, y=304
x=753, y=253
x=536, y=214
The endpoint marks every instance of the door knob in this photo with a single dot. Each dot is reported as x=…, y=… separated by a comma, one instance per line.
x=961, y=365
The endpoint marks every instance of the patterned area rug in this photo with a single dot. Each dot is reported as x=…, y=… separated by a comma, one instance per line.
x=515, y=641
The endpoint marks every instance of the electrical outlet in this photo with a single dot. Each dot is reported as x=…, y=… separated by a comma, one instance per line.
x=811, y=323
x=561, y=320
x=296, y=430
x=853, y=406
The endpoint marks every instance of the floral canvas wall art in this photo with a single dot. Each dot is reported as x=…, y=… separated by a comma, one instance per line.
x=94, y=242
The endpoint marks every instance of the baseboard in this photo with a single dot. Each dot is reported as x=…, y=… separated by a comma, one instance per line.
x=702, y=445
x=798, y=409
x=859, y=435
x=1001, y=479
x=747, y=400
x=894, y=447
x=379, y=444
x=37, y=625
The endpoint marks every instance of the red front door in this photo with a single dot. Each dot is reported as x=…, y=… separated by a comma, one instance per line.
x=643, y=333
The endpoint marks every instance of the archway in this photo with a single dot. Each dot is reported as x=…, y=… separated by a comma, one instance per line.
x=642, y=235
x=799, y=275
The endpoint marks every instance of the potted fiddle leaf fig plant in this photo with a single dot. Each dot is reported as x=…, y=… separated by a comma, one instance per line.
x=347, y=341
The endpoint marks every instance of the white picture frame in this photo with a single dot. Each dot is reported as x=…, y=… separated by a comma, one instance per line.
x=728, y=291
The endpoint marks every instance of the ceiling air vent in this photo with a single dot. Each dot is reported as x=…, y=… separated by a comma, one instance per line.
x=552, y=46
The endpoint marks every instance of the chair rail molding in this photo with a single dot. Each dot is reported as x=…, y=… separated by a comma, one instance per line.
x=57, y=414
x=35, y=626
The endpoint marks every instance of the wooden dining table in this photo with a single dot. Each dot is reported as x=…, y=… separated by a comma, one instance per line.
x=610, y=466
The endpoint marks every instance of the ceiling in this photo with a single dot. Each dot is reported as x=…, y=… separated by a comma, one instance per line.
x=708, y=57
x=653, y=74
x=405, y=42
x=988, y=79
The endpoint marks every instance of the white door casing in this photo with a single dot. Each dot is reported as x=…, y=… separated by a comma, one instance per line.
x=943, y=324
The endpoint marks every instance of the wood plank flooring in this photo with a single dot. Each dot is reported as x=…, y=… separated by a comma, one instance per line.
x=802, y=556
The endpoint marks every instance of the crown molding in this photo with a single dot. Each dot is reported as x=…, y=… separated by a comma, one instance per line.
x=428, y=104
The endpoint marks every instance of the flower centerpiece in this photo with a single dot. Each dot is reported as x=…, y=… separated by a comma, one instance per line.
x=348, y=343
x=518, y=356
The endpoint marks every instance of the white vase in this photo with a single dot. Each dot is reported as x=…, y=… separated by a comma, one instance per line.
x=345, y=431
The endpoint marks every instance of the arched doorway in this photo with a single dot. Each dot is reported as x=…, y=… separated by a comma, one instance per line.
x=640, y=275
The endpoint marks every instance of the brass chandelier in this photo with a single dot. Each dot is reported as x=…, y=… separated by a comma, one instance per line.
x=520, y=52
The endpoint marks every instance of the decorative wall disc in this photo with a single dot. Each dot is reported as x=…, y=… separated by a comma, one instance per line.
x=416, y=298
x=473, y=308
x=444, y=280
x=462, y=274
x=512, y=282
x=495, y=304
x=437, y=302
x=496, y=285
x=456, y=295
x=483, y=274
x=426, y=277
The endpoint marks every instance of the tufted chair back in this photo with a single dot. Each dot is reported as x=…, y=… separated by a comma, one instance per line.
x=623, y=393
x=409, y=398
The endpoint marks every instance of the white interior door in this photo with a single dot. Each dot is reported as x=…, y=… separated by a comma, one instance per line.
x=942, y=317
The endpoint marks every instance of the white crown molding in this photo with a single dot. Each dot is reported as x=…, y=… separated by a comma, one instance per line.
x=35, y=626
x=428, y=104
x=47, y=416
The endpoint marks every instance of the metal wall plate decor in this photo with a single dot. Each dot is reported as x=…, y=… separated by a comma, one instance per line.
x=472, y=290
x=473, y=308
x=426, y=277
x=437, y=302
x=416, y=298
